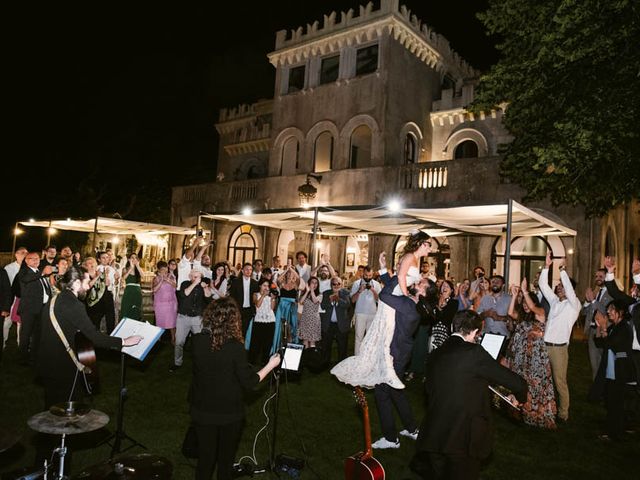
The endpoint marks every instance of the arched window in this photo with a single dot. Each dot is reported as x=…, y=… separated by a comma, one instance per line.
x=323, y=152
x=466, y=149
x=290, y=151
x=410, y=149
x=609, y=244
x=360, y=154
x=242, y=245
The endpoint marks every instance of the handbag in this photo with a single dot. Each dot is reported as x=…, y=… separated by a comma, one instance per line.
x=190, y=443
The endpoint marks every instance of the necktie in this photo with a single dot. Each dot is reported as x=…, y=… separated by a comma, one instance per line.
x=599, y=296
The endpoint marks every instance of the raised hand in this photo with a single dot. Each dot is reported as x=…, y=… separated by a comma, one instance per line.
x=514, y=290
x=382, y=260
x=610, y=264
x=524, y=285
x=548, y=261
x=589, y=295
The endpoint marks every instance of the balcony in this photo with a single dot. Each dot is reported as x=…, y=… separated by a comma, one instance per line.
x=443, y=183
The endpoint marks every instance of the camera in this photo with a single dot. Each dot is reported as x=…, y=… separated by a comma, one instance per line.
x=274, y=292
x=367, y=284
x=54, y=269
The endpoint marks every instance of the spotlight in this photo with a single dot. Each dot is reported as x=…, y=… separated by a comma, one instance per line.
x=246, y=211
x=394, y=206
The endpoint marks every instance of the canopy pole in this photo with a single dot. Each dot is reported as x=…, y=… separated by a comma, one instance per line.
x=95, y=236
x=49, y=234
x=507, y=248
x=313, y=237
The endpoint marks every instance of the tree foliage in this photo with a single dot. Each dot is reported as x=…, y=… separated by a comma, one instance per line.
x=570, y=73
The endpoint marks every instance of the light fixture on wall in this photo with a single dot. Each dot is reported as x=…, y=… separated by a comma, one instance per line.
x=307, y=192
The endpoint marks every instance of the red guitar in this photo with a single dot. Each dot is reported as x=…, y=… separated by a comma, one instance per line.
x=362, y=465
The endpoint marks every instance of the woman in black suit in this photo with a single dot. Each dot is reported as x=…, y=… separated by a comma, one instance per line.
x=221, y=373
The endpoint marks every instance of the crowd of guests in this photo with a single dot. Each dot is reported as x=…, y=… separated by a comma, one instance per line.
x=33, y=278
x=266, y=306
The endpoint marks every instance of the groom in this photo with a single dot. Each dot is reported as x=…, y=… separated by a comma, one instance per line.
x=407, y=321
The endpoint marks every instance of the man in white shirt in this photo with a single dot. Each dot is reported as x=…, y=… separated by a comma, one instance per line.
x=563, y=313
x=12, y=270
x=185, y=264
x=364, y=294
x=596, y=300
x=257, y=269
x=203, y=262
x=303, y=268
x=276, y=268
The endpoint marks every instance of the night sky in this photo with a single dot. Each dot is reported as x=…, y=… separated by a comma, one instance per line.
x=108, y=104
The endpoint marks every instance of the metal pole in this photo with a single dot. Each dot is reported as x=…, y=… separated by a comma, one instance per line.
x=313, y=237
x=49, y=234
x=15, y=235
x=95, y=236
x=507, y=249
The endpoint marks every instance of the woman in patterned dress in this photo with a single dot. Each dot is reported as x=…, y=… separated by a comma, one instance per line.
x=309, y=328
x=528, y=357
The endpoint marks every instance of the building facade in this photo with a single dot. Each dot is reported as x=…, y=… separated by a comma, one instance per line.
x=375, y=102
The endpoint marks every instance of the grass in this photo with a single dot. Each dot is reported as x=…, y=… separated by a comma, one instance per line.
x=318, y=421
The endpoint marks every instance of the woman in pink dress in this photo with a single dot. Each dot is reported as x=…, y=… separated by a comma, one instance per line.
x=165, y=303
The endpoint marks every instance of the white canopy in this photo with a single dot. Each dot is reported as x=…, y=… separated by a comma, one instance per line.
x=437, y=222
x=114, y=226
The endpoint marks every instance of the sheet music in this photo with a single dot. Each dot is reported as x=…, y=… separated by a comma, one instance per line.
x=492, y=343
x=505, y=398
x=149, y=333
x=292, y=357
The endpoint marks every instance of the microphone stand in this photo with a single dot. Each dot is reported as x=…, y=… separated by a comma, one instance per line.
x=119, y=435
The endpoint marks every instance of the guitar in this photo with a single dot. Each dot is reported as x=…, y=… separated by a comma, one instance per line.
x=362, y=465
x=86, y=354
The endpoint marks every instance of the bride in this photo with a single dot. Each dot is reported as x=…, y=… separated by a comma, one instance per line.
x=374, y=364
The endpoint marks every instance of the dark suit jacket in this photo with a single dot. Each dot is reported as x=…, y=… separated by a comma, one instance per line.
x=407, y=322
x=53, y=361
x=458, y=418
x=342, y=308
x=616, y=294
x=236, y=291
x=6, y=294
x=31, y=292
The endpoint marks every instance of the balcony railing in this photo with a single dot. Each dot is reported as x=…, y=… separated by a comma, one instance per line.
x=423, y=177
x=244, y=191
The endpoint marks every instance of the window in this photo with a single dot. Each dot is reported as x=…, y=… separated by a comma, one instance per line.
x=329, y=69
x=296, y=79
x=410, y=149
x=466, y=149
x=367, y=60
x=323, y=152
x=360, y=147
x=242, y=245
x=290, y=151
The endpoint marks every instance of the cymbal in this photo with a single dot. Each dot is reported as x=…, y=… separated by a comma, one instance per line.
x=47, y=422
x=8, y=438
x=70, y=409
x=145, y=466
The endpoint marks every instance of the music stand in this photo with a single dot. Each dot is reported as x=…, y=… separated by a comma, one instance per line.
x=119, y=435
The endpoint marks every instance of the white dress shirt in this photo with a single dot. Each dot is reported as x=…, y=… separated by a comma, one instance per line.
x=12, y=270
x=562, y=314
x=246, y=287
x=366, y=303
x=304, y=271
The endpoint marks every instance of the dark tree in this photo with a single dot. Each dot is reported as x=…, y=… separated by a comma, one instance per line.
x=570, y=74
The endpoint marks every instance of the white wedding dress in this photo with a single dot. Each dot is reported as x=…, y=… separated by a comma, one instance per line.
x=374, y=364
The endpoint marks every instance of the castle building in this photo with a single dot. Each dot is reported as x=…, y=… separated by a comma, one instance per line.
x=374, y=102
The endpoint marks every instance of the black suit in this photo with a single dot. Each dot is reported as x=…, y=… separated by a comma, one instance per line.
x=54, y=365
x=634, y=307
x=338, y=330
x=407, y=321
x=456, y=431
x=32, y=288
x=236, y=291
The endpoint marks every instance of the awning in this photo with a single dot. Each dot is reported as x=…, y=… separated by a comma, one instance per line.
x=490, y=220
x=114, y=226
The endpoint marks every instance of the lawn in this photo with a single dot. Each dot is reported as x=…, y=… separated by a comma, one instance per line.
x=318, y=421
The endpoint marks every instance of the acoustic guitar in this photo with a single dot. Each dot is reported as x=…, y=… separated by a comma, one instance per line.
x=362, y=465
x=86, y=354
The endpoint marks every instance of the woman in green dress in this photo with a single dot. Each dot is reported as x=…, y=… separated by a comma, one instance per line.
x=131, y=306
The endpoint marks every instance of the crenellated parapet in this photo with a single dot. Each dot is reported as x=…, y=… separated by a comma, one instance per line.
x=368, y=25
